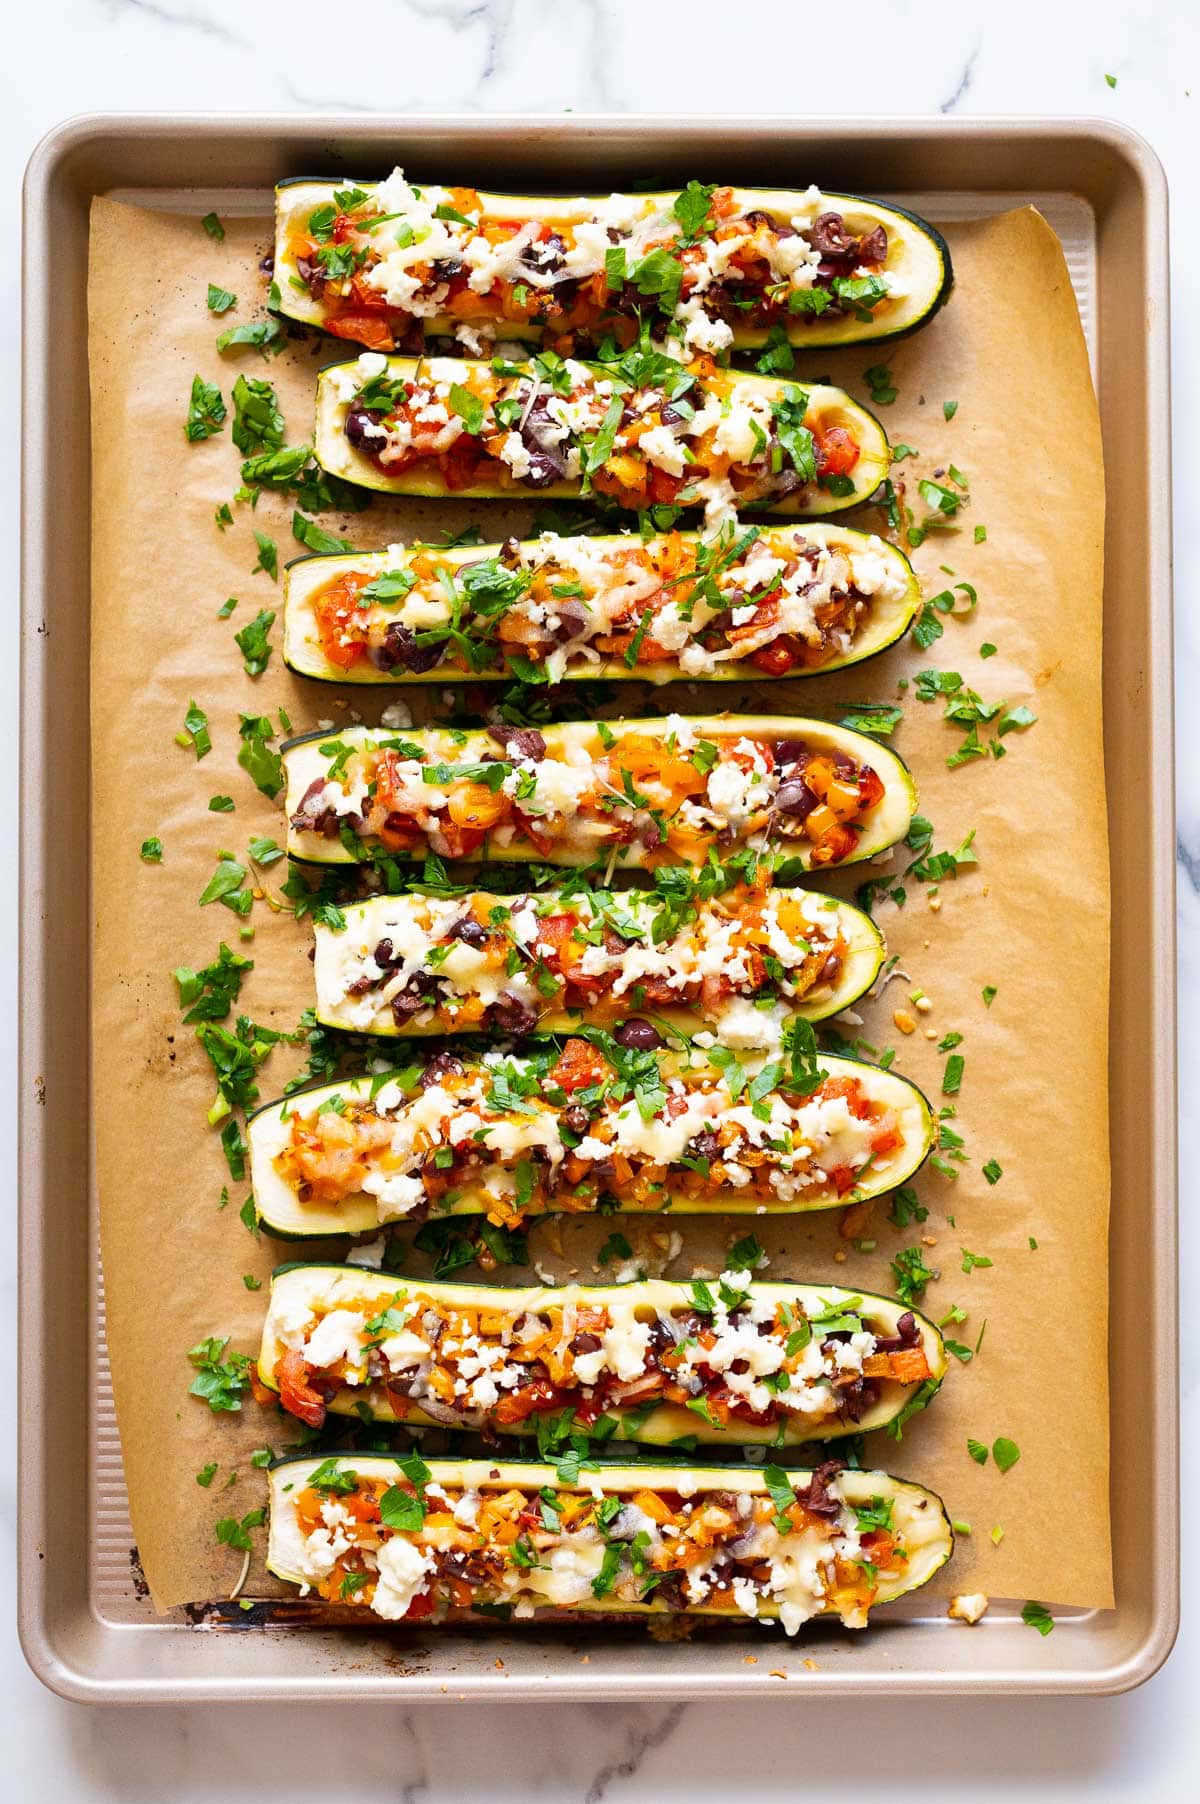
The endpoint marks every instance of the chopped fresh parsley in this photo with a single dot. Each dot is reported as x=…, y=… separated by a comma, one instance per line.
x=264, y=334
x=1006, y=1453
x=254, y=642
x=195, y=731
x=258, y=424
x=911, y=1274
x=615, y=1247
x=315, y=538
x=879, y=382
x=256, y=755
x=232, y=1533
x=206, y=410
x=268, y=556
x=219, y=1382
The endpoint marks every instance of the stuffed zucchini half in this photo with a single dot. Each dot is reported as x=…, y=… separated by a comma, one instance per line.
x=734, y=1361
x=738, y=964
x=386, y=264
x=408, y=1541
x=643, y=430
x=595, y=1126
x=761, y=602
x=633, y=794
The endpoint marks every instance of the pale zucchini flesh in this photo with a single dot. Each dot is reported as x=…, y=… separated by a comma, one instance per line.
x=886, y=823
x=366, y=923
x=887, y=618
x=832, y=406
x=298, y=1285
x=283, y=1214
x=918, y=260
x=918, y=1514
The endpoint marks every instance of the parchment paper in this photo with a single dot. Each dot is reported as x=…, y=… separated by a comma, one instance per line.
x=1031, y=919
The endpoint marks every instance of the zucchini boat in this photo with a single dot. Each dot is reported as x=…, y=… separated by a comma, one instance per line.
x=737, y=964
x=643, y=430
x=736, y=1361
x=409, y=1541
x=386, y=264
x=765, y=602
x=633, y=794
x=595, y=1126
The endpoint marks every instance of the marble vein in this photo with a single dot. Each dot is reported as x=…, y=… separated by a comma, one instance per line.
x=644, y=1738
x=964, y=83
x=199, y=22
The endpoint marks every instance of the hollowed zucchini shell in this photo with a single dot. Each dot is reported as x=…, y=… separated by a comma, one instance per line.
x=339, y=457
x=918, y=1515
x=887, y=620
x=886, y=823
x=670, y=1421
x=283, y=1214
x=918, y=257
x=865, y=953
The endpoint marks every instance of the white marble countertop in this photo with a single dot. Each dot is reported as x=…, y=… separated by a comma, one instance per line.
x=72, y=56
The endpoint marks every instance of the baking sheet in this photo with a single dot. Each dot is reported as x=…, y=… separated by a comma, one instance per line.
x=1034, y=1092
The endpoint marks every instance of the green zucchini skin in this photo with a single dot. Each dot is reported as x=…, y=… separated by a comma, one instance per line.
x=286, y=1217
x=888, y=621
x=919, y=1514
x=903, y=226
x=668, y=1422
x=890, y=818
x=340, y=458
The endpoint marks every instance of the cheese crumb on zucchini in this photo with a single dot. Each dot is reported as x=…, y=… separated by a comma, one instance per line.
x=720, y=266
x=581, y=792
x=410, y=1541
x=737, y=965
x=759, y=601
x=733, y=1360
x=643, y=429
x=595, y=1124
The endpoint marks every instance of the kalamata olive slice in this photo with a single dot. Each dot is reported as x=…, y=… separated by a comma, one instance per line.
x=795, y=798
x=638, y=1035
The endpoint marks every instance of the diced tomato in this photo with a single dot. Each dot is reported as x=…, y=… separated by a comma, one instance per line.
x=529, y=1400
x=842, y=1178
x=368, y=329
x=837, y=452
x=834, y=845
x=295, y=1393
x=664, y=487
x=578, y=1065
x=461, y=842
x=851, y=1090
x=460, y=464
x=340, y=623
x=776, y=659
x=423, y=1604
x=555, y=932
x=870, y=787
